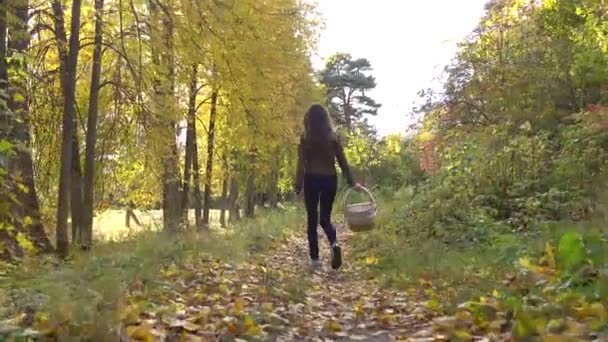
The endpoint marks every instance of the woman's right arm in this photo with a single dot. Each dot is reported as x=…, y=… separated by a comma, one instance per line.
x=343, y=163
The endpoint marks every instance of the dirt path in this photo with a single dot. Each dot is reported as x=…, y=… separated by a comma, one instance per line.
x=273, y=297
x=342, y=305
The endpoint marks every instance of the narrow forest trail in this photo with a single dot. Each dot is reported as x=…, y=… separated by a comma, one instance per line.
x=343, y=305
x=274, y=297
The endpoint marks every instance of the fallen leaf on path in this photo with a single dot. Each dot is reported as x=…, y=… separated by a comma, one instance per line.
x=140, y=333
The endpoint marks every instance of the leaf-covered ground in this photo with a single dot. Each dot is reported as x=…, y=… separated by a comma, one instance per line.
x=274, y=297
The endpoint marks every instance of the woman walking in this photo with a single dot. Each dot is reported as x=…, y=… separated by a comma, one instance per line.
x=316, y=175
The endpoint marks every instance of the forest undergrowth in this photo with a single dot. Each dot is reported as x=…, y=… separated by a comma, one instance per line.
x=89, y=294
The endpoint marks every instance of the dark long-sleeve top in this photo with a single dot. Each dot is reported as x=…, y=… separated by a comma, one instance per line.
x=318, y=157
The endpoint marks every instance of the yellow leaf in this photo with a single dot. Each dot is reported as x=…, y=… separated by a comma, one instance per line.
x=555, y=338
x=262, y=290
x=130, y=315
x=171, y=271
x=464, y=316
x=539, y=324
x=44, y=324
x=527, y=264
x=463, y=335
x=199, y=296
x=523, y=328
x=597, y=324
x=203, y=315
x=595, y=310
x=191, y=327
x=28, y=221
x=238, y=306
x=433, y=305
x=333, y=326
x=371, y=260
x=251, y=328
x=25, y=243
x=495, y=293
x=550, y=255
x=599, y=311
x=140, y=333
x=19, y=97
x=267, y=306
x=424, y=282
x=386, y=318
x=248, y=322
x=359, y=311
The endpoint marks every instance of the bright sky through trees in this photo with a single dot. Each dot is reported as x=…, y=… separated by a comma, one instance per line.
x=407, y=42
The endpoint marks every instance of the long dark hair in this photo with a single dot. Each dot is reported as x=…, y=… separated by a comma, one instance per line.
x=317, y=124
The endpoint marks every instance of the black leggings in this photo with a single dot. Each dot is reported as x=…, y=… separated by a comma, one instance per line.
x=319, y=189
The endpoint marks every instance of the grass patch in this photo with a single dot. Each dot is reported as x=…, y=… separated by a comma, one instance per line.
x=431, y=270
x=450, y=274
x=86, y=292
x=110, y=224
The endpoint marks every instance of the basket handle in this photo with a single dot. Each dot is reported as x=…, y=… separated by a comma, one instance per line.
x=369, y=194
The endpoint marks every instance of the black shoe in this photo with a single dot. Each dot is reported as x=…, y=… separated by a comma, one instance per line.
x=336, y=257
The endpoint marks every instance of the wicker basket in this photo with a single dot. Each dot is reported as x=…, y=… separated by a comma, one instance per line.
x=360, y=217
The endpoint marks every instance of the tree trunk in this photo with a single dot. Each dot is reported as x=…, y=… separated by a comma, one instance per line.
x=191, y=120
x=76, y=200
x=3, y=69
x=91, y=137
x=23, y=156
x=234, y=210
x=250, y=194
x=68, y=63
x=209, y=168
x=347, y=116
x=198, y=203
x=164, y=118
x=224, y=201
x=173, y=179
x=274, y=189
x=171, y=199
x=187, y=175
x=196, y=175
x=18, y=200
